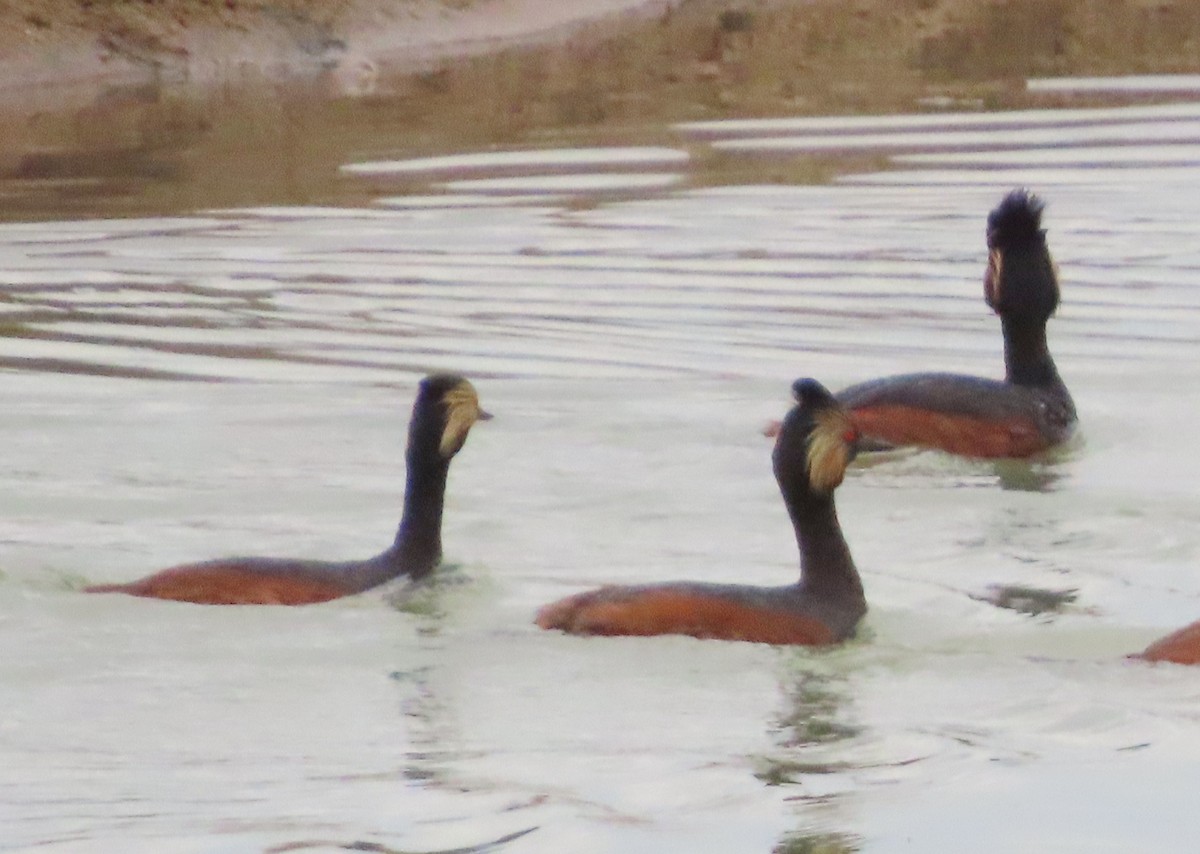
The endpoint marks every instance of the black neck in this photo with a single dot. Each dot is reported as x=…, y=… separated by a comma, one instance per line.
x=418, y=545
x=826, y=567
x=1027, y=359
x=417, y=549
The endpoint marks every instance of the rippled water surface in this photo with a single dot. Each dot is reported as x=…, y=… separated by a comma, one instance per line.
x=239, y=381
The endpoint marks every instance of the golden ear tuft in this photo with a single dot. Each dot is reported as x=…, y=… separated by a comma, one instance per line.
x=995, y=265
x=462, y=411
x=829, y=449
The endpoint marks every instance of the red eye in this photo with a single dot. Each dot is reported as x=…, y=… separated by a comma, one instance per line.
x=850, y=436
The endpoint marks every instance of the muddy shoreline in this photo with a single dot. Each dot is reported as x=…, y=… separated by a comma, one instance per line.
x=60, y=51
x=131, y=107
x=50, y=47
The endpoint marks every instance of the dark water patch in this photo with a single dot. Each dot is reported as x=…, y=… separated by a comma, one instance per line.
x=1033, y=601
x=818, y=843
x=89, y=368
x=381, y=848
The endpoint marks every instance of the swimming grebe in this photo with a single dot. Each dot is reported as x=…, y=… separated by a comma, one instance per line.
x=445, y=409
x=1031, y=409
x=812, y=449
x=1181, y=647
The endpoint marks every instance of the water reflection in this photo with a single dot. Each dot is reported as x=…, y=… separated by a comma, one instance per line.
x=1023, y=476
x=434, y=735
x=814, y=718
x=818, y=843
x=813, y=710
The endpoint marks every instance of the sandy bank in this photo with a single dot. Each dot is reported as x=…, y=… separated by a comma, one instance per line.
x=110, y=107
x=53, y=52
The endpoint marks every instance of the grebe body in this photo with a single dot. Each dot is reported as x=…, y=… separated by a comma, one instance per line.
x=1180, y=647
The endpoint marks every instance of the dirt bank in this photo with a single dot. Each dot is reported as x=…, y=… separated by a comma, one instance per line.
x=54, y=53
x=109, y=106
x=65, y=43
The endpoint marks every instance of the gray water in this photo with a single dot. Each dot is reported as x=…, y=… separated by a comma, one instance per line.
x=238, y=381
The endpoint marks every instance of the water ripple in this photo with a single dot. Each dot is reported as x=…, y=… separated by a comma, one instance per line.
x=712, y=280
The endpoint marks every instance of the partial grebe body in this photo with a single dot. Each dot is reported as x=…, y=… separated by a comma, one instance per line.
x=1031, y=409
x=964, y=415
x=812, y=449
x=443, y=414
x=1180, y=647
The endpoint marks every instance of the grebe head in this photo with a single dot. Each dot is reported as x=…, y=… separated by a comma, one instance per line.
x=1021, y=278
x=815, y=443
x=446, y=408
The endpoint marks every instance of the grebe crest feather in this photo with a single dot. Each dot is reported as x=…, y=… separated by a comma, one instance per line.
x=829, y=449
x=462, y=411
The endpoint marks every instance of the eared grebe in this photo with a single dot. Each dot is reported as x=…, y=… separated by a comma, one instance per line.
x=813, y=446
x=445, y=409
x=1030, y=410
